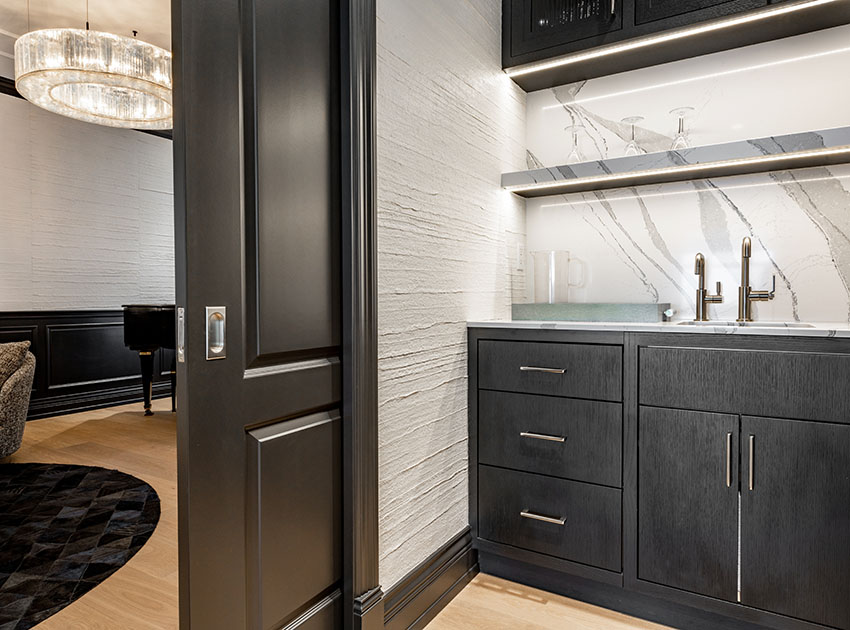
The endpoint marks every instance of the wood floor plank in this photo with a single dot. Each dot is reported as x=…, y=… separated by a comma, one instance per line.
x=495, y=604
x=141, y=595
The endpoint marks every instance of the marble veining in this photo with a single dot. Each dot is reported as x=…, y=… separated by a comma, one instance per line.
x=639, y=242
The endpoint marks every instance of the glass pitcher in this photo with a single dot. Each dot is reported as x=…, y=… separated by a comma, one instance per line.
x=552, y=276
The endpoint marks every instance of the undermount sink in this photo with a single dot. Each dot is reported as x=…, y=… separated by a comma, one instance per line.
x=749, y=324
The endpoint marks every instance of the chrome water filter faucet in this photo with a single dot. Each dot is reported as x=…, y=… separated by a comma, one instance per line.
x=746, y=294
x=703, y=297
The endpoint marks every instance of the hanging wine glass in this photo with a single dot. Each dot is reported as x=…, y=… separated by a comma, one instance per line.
x=576, y=132
x=682, y=140
x=633, y=148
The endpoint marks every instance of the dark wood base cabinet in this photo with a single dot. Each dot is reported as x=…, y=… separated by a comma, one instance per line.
x=700, y=481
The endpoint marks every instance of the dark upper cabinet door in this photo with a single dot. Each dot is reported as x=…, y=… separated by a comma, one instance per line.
x=690, y=11
x=540, y=24
x=795, y=521
x=688, y=508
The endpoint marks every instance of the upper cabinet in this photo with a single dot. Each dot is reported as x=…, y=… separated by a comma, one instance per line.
x=547, y=43
x=683, y=12
x=539, y=25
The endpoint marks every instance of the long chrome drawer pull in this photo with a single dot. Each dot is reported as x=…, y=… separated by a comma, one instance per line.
x=540, y=517
x=529, y=368
x=541, y=436
x=728, y=460
x=752, y=457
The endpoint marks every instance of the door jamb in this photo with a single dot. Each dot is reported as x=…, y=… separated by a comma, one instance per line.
x=362, y=595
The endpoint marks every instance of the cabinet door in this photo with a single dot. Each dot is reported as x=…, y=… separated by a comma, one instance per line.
x=691, y=10
x=795, y=519
x=541, y=24
x=688, y=501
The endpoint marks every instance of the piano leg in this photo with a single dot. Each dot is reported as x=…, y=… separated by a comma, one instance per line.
x=173, y=383
x=146, y=359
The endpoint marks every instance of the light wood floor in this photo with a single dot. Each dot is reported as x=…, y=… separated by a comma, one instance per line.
x=495, y=604
x=142, y=595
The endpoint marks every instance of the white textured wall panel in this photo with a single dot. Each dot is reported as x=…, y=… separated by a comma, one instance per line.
x=449, y=123
x=86, y=214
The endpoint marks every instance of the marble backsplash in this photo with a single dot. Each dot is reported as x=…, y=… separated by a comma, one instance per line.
x=639, y=244
x=781, y=87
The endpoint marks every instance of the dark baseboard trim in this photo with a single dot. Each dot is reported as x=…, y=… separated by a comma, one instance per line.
x=74, y=403
x=425, y=591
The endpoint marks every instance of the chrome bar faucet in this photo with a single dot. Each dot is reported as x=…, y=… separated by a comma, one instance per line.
x=746, y=294
x=703, y=297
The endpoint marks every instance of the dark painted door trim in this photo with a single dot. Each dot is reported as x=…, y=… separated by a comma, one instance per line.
x=362, y=592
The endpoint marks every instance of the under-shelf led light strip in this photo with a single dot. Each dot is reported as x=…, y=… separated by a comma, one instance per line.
x=693, y=191
x=666, y=37
x=566, y=184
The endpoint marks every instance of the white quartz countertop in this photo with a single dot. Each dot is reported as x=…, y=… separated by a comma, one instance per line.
x=774, y=329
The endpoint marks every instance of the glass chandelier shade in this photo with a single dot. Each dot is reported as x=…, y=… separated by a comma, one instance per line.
x=96, y=77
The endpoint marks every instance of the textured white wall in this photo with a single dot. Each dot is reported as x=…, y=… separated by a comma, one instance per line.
x=86, y=213
x=449, y=123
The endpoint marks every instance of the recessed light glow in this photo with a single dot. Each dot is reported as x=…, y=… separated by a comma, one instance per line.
x=675, y=170
x=666, y=37
x=691, y=191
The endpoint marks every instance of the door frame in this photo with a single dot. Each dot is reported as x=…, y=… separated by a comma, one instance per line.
x=362, y=594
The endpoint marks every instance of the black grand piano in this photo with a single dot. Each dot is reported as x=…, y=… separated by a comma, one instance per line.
x=147, y=328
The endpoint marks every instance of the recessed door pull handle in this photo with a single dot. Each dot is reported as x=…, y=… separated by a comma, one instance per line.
x=544, y=519
x=530, y=368
x=542, y=436
x=752, y=461
x=728, y=460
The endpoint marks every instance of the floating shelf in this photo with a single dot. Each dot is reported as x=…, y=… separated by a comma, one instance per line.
x=800, y=150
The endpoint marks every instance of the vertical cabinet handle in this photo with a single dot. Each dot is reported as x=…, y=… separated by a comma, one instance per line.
x=613, y=7
x=752, y=461
x=728, y=460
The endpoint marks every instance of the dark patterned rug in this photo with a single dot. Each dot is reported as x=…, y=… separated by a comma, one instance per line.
x=63, y=531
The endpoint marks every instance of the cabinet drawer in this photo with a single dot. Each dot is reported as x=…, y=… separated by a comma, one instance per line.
x=801, y=385
x=556, y=369
x=591, y=515
x=562, y=437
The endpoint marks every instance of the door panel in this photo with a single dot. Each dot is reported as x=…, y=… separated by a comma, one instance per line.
x=795, y=522
x=252, y=229
x=294, y=515
x=688, y=505
x=651, y=10
x=293, y=228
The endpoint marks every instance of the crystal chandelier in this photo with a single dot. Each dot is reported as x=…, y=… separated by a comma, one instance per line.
x=96, y=77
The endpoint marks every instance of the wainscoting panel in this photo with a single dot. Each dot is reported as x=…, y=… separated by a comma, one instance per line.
x=81, y=360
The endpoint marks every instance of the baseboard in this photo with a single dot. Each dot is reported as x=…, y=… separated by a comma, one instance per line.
x=421, y=594
x=659, y=611
x=74, y=403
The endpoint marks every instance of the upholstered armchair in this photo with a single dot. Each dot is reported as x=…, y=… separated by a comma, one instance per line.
x=17, y=370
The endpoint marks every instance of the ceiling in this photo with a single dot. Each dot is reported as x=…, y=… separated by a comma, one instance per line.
x=151, y=18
